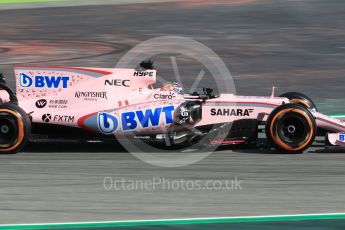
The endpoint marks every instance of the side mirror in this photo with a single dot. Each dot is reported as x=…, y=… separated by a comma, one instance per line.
x=147, y=64
x=208, y=92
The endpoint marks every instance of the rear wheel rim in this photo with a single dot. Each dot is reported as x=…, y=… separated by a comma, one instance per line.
x=8, y=131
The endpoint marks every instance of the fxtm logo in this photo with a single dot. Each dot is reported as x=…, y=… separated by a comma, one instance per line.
x=43, y=81
x=164, y=96
x=57, y=118
x=118, y=82
x=143, y=74
x=231, y=112
x=108, y=123
x=46, y=117
x=41, y=103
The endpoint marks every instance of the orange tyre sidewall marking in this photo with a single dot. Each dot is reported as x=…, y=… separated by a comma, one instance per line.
x=281, y=143
x=300, y=101
x=20, y=129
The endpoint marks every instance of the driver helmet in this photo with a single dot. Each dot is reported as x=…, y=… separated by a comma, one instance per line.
x=172, y=86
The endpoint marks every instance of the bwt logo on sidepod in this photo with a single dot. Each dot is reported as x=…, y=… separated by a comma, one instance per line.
x=108, y=123
x=43, y=81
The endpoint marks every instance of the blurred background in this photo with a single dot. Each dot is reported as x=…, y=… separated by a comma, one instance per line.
x=295, y=45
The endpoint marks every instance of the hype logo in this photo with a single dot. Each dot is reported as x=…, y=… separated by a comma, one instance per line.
x=108, y=123
x=43, y=81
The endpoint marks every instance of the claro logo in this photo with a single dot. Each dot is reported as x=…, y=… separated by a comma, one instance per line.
x=118, y=82
x=164, y=96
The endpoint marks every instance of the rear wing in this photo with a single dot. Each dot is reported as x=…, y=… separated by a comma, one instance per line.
x=40, y=81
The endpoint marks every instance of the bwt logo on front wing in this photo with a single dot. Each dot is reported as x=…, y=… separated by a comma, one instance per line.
x=341, y=137
x=108, y=123
x=43, y=81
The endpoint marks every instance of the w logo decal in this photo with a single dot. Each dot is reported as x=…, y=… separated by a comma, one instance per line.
x=41, y=103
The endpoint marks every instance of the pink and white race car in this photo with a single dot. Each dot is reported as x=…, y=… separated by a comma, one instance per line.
x=100, y=103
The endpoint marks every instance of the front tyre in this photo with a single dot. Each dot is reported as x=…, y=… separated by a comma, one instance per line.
x=291, y=128
x=15, y=128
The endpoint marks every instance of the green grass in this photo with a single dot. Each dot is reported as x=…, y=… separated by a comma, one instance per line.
x=193, y=222
x=337, y=115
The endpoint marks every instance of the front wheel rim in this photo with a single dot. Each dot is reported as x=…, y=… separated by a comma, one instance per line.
x=293, y=129
x=273, y=131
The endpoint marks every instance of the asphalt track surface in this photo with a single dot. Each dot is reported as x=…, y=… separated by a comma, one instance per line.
x=295, y=45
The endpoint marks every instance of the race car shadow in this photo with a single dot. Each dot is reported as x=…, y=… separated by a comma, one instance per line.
x=73, y=147
x=340, y=150
x=250, y=150
x=79, y=147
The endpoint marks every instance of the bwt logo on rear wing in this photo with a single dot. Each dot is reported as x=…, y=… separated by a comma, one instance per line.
x=43, y=81
x=55, y=77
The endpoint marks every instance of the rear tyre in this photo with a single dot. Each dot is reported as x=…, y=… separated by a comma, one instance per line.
x=301, y=99
x=291, y=128
x=15, y=128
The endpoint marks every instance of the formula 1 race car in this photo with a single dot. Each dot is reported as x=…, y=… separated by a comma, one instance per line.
x=100, y=103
